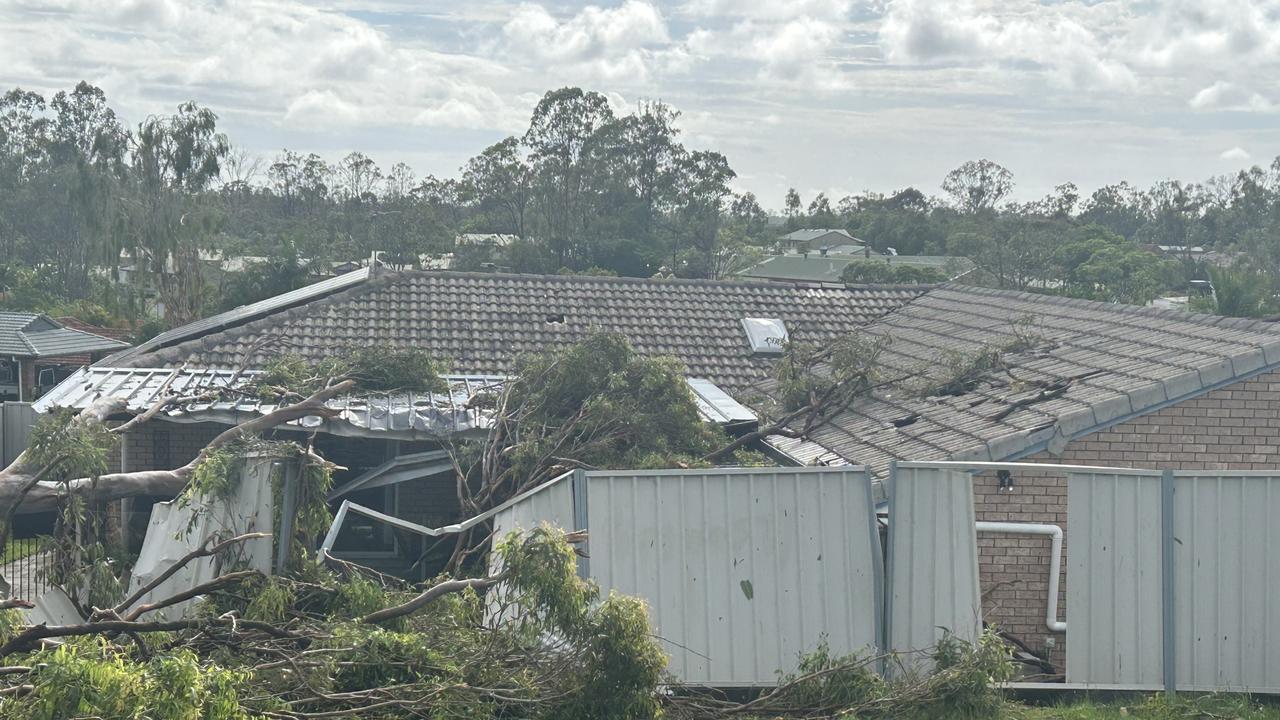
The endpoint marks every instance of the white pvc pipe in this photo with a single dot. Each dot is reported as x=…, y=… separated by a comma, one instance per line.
x=1055, y=560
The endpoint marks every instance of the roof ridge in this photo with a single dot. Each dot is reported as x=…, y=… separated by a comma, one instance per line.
x=555, y=277
x=1195, y=318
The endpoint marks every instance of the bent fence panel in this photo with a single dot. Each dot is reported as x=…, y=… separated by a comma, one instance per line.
x=933, y=560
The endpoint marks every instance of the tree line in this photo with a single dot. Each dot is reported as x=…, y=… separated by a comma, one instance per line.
x=108, y=221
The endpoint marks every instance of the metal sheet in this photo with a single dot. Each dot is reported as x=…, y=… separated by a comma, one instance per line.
x=395, y=415
x=16, y=421
x=933, y=555
x=1227, y=581
x=171, y=534
x=552, y=505
x=743, y=570
x=1114, y=578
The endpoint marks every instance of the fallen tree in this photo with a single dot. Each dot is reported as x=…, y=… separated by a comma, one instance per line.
x=25, y=486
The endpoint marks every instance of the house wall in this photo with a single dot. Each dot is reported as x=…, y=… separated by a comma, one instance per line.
x=1233, y=428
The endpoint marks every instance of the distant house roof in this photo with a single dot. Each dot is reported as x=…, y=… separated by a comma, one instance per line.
x=479, y=322
x=834, y=235
x=827, y=268
x=37, y=336
x=85, y=358
x=1088, y=365
x=498, y=239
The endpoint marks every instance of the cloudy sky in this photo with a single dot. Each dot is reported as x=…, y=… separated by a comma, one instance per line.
x=832, y=95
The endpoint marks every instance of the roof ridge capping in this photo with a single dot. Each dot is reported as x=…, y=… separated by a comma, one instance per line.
x=1196, y=318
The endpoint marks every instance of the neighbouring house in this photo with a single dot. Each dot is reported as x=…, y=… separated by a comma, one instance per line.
x=965, y=374
x=489, y=239
x=1077, y=383
x=37, y=352
x=828, y=268
x=478, y=324
x=816, y=240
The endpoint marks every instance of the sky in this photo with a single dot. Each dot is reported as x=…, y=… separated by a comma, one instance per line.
x=832, y=96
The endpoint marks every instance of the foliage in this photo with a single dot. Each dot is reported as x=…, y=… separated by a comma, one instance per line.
x=866, y=272
x=374, y=368
x=597, y=403
x=88, y=680
x=832, y=375
x=75, y=447
x=1240, y=292
x=271, y=602
x=1099, y=265
x=1154, y=707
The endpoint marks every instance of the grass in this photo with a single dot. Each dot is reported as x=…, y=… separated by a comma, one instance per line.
x=1208, y=707
x=18, y=548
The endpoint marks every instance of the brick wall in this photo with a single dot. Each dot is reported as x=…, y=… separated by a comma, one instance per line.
x=160, y=445
x=1234, y=428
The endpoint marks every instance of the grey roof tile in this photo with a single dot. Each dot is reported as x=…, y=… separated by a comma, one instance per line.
x=1137, y=360
x=32, y=335
x=479, y=323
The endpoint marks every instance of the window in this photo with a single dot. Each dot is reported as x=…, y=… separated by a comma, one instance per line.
x=363, y=536
x=47, y=378
x=8, y=373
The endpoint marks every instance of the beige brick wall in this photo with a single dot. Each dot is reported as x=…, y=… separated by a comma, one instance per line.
x=1234, y=428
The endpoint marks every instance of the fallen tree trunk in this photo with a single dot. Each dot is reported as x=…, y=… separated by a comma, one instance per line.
x=21, y=492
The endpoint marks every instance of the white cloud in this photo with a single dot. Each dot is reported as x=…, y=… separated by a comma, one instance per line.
x=1064, y=41
x=609, y=43
x=1222, y=95
x=769, y=9
x=1235, y=153
x=321, y=109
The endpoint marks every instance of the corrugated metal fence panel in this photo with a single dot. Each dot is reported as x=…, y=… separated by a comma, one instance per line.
x=743, y=570
x=16, y=421
x=552, y=505
x=1227, y=581
x=1113, y=579
x=933, y=556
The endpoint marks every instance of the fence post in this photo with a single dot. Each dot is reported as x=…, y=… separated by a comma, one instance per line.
x=1167, y=582
x=289, y=505
x=886, y=631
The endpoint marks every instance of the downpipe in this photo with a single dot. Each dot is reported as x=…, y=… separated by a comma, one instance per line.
x=1055, y=560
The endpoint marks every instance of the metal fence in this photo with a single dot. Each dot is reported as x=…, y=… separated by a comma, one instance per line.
x=28, y=577
x=1175, y=576
x=16, y=420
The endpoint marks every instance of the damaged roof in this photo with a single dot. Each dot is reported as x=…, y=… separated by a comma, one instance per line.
x=480, y=322
x=1071, y=367
x=213, y=395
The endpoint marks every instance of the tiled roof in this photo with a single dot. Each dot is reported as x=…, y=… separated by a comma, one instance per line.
x=479, y=323
x=1090, y=365
x=243, y=314
x=32, y=335
x=77, y=324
